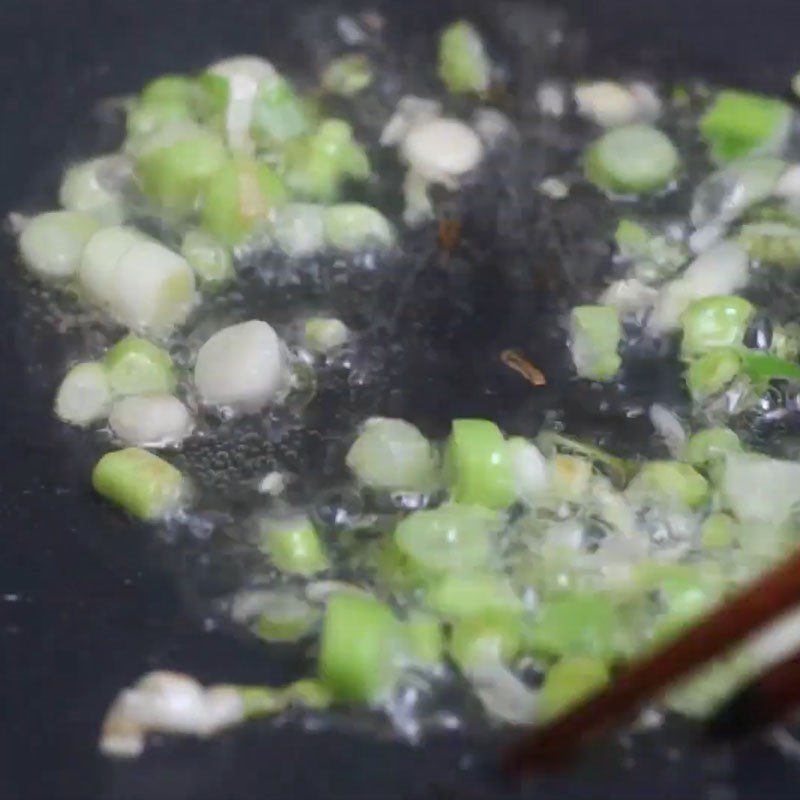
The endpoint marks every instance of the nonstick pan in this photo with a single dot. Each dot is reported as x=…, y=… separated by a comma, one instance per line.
x=88, y=601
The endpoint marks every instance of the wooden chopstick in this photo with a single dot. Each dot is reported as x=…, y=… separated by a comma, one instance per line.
x=767, y=699
x=766, y=599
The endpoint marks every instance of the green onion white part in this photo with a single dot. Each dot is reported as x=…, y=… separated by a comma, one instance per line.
x=595, y=335
x=241, y=367
x=244, y=76
x=84, y=395
x=52, y=244
x=150, y=420
x=299, y=229
x=353, y=227
x=323, y=334
x=95, y=187
x=138, y=281
x=211, y=261
x=348, y=75
x=441, y=150
x=392, y=454
x=612, y=104
x=275, y=615
x=757, y=487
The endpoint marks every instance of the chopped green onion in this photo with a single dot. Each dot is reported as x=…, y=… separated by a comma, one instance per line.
x=100, y=260
x=772, y=243
x=299, y=229
x=577, y=625
x=569, y=681
x=718, y=531
x=759, y=488
x=464, y=66
x=323, y=334
x=84, y=395
x=714, y=322
x=738, y=124
x=570, y=477
x=210, y=260
x=393, y=454
x=52, y=244
x=671, y=483
x=293, y=544
x=425, y=639
x=359, y=650
x=528, y=467
x=701, y=694
x=457, y=595
x=354, y=226
x=143, y=484
x=238, y=198
x=654, y=256
x=451, y=538
x=712, y=372
x=89, y=187
x=315, y=166
x=706, y=447
x=175, y=174
x=477, y=460
x=136, y=366
x=761, y=368
x=619, y=469
x=595, y=334
x=282, y=617
x=786, y=342
x=347, y=75
x=489, y=637
x=634, y=159
x=279, y=114
x=150, y=420
x=241, y=366
x=163, y=101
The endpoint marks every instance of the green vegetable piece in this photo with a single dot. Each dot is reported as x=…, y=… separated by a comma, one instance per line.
x=685, y=590
x=91, y=188
x=712, y=322
x=492, y=636
x=237, y=200
x=315, y=167
x=211, y=99
x=738, y=124
x=619, y=469
x=146, y=486
x=775, y=243
x=457, y=595
x=323, y=334
x=279, y=114
x=700, y=695
x=706, y=447
x=578, y=625
x=293, y=544
x=283, y=617
x=718, y=531
x=165, y=100
x=670, y=483
x=359, y=650
x=570, y=681
x=175, y=174
x=52, y=244
x=762, y=368
x=451, y=538
x=632, y=159
x=136, y=366
x=570, y=477
x=425, y=639
x=713, y=372
x=261, y=701
x=786, y=342
x=354, y=226
x=480, y=472
x=595, y=334
x=348, y=75
x=307, y=693
x=654, y=256
x=464, y=65
x=210, y=260
x=393, y=454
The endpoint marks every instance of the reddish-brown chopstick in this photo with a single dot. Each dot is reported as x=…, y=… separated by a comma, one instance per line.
x=769, y=698
x=766, y=599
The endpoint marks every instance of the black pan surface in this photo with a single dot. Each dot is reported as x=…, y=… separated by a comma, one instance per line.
x=89, y=601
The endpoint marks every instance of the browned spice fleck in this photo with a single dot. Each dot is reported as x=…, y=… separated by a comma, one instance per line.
x=517, y=362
